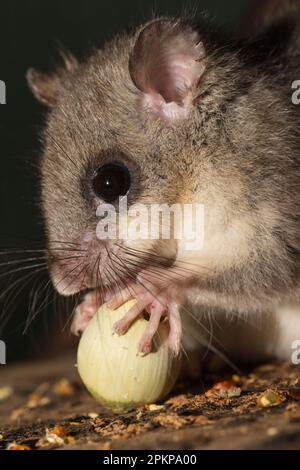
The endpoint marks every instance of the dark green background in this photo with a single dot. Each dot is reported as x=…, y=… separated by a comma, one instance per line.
x=30, y=32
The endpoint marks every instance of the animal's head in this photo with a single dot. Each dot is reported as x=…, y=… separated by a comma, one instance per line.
x=167, y=115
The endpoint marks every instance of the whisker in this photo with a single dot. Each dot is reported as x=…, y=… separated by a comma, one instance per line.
x=159, y=256
x=212, y=348
x=27, y=260
x=10, y=299
x=32, y=314
x=66, y=276
x=24, y=268
x=13, y=252
x=47, y=303
x=11, y=286
x=117, y=279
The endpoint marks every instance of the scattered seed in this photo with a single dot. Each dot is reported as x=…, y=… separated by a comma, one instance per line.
x=17, y=413
x=272, y=432
x=36, y=400
x=237, y=379
x=60, y=431
x=225, y=389
x=15, y=446
x=51, y=440
x=171, y=420
x=6, y=392
x=270, y=398
x=63, y=388
x=154, y=407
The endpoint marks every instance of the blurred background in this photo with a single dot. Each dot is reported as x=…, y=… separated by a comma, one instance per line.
x=33, y=322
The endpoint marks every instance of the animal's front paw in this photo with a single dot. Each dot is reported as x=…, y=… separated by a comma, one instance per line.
x=158, y=305
x=85, y=312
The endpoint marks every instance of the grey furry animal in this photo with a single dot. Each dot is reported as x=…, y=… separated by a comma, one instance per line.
x=177, y=113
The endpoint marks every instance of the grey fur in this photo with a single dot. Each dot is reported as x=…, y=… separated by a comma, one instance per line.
x=237, y=153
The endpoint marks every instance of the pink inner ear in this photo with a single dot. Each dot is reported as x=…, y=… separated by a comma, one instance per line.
x=168, y=60
x=176, y=75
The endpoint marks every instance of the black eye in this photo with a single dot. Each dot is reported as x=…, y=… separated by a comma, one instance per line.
x=111, y=181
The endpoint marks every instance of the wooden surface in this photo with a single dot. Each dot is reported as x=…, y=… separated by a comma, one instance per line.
x=38, y=399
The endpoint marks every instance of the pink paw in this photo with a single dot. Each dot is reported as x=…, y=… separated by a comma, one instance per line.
x=158, y=306
x=85, y=312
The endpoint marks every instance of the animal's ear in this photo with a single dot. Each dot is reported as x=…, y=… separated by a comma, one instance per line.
x=44, y=86
x=167, y=63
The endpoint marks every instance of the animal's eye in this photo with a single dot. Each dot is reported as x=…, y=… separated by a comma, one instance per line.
x=111, y=181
